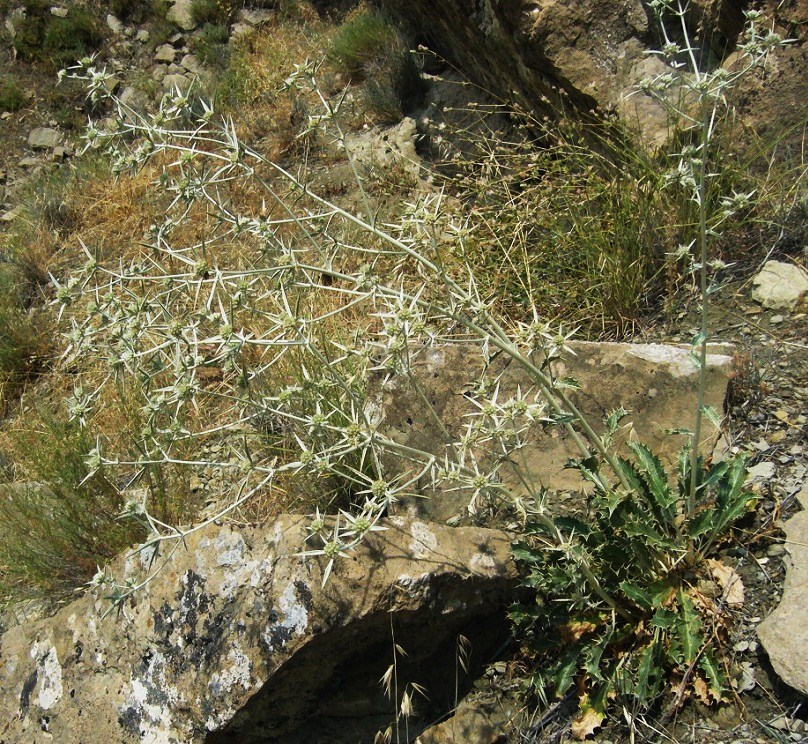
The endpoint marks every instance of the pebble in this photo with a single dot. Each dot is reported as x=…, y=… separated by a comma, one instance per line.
x=776, y=319
x=775, y=550
x=741, y=646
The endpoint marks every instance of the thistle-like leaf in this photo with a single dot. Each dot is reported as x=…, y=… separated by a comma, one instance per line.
x=688, y=629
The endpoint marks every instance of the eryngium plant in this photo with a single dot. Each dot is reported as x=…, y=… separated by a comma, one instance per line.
x=262, y=314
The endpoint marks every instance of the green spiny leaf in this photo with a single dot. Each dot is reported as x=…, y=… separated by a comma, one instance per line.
x=645, y=669
x=661, y=497
x=636, y=594
x=716, y=679
x=688, y=629
x=564, y=672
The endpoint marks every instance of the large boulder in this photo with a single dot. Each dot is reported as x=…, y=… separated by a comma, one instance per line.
x=656, y=383
x=234, y=639
x=784, y=633
x=552, y=55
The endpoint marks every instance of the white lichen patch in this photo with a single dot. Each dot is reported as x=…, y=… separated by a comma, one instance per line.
x=423, y=541
x=483, y=564
x=153, y=699
x=296, y=617
x=230, y=548
x=261, y=571
x=679, y=361
x=232, y=580
x=238, y=673
x=49, y=680
x=146, y=555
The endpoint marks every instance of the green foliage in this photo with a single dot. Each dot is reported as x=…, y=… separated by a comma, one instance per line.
x=23, y=348
x=209, y=44
x=618, y=608
x=134, y=11
x=44, y=37
x=212, y=12
x=12, y=96
x=368, y=47
x=55, y=536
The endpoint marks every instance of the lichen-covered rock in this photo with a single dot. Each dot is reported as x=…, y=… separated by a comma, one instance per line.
x=235, y=640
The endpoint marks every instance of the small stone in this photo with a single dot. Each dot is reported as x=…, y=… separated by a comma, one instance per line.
x=171, y=83
x=142, y=36
x=761, y=472
x=776, y=319
x=181, y=14
x=192, y=64
x=741, y=646
x=781, y=723
x=165, y=53
x=159, y=72
x=11, y=214
x=114, y=24
x=254, y=17
x=59, y=12
x=44, y=138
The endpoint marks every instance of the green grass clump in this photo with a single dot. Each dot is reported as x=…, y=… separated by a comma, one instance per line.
x=214, y=12
x=58, y=530
x=133, y=11
x=369, y=48
x=209, y=44
x=12, y=96
x=23, y=346
x=44, y=37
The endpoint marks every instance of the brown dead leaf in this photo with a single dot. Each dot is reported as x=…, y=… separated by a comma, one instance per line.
x=575, y=630
x=730, y=581
x=586, y=723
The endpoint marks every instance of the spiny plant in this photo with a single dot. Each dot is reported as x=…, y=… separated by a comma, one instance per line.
x=619, y=609
x=296, y=331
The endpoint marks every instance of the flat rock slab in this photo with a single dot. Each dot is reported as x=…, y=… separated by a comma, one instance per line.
x=234, y=640
x=780, y=285
x=784, y=633
x=656, y=383
x=44, y=138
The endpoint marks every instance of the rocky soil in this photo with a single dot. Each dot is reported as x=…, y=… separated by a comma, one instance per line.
x=767, y=418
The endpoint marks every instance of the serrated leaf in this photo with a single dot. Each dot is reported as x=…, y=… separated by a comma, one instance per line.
x=594, y=655
x=564, y=672
x=572, y=526
x=614, y=418
x=524, y=552
x=664, y=619
x=711, y=415
x=660, y=496
x=636, y=594
x=645, y=668
x=688, y=629
x=702, y=524
x=716, y=679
